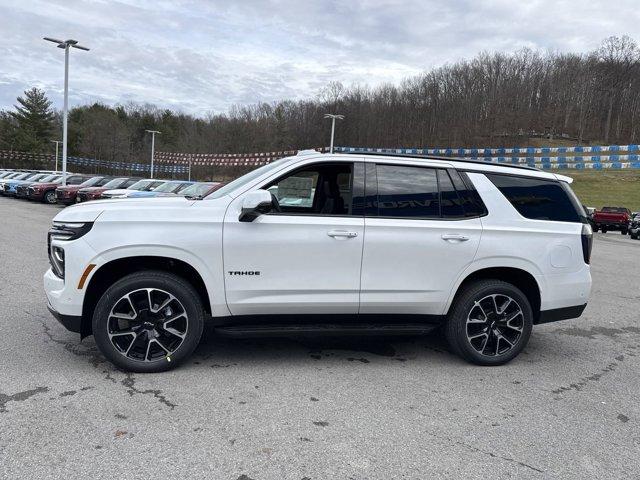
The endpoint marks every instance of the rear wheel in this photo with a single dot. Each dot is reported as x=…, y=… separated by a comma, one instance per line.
x=490, y=323
x=624, y=231
x=148, y=322
x=604, y=230
x=50, y=197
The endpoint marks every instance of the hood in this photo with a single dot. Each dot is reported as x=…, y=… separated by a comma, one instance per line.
x=118, y=191
x=70, y=188
x=48, y=184
x=90, y=211
x=92, y=189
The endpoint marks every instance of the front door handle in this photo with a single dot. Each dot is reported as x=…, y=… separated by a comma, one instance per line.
x=342, y=233
x=455, y=237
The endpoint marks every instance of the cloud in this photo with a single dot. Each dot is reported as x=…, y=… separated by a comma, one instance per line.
x=200, y=57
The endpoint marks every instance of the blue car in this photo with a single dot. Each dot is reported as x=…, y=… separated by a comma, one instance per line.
x=8, y=187
x=171, y=187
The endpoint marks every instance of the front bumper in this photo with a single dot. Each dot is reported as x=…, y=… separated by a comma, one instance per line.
x=73, y=323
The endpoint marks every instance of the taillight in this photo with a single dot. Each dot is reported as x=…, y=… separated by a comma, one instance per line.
x=587, y=242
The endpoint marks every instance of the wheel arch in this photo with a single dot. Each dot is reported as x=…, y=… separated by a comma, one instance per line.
x=112, y=271
x=516, y=276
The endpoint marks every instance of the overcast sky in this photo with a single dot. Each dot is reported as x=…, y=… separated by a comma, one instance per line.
x=203, y=56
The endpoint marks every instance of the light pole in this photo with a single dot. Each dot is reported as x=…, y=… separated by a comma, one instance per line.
x=333, y=118
x=66, y=44
x=153, y=146
x=57, y=142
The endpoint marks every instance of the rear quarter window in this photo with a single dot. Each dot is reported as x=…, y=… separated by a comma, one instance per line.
x=538, y=199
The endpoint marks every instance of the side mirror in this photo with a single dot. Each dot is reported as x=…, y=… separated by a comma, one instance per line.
x=255, y=204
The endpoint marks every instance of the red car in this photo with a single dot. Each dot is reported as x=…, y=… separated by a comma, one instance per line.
x=93, y=193
x=46, y=192
x=612, y=218
x=67, y=195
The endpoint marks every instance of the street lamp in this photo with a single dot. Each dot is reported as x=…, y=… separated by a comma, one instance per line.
x=57, y=142
x=153, y=146
x=66, y=44
x=333, y=118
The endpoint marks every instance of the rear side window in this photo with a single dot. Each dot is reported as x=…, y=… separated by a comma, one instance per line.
x=536, y=198
x=407, y=192
x=450, y=201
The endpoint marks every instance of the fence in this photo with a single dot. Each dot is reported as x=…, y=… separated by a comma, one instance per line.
x=23, y=159
x=542, y=157
x=602, y=157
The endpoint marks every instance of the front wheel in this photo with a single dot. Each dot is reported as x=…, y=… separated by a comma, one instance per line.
x=50, y=197
x=148, y=322
x=490, y=323
x=624, y=231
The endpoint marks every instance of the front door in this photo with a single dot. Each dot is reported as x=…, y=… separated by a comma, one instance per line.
x=304, y=257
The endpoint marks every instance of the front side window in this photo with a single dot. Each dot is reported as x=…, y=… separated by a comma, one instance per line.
x=315, y=190
x=538, y=199
x=407, y=192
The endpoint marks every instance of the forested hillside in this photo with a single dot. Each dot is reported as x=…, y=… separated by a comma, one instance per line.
x=494, y=99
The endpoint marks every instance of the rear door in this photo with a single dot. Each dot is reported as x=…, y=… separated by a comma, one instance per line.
x=422, y=229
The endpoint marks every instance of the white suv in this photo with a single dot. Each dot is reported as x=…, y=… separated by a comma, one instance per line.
x=361, y=244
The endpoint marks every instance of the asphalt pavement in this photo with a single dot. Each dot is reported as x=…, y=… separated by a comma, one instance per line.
x=280, y=409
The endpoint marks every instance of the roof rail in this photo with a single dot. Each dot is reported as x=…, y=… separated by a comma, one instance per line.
x=438, y=157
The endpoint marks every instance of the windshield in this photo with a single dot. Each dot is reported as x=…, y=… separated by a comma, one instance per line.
x=22, y=176
x=249, y=177
x=115, y=183
x=614, y=209
x=142, y=185
x=197, y=189
x=92, y=182
x=168, y=187
x=48, y=178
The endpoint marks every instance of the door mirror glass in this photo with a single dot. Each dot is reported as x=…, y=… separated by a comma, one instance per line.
x=255, y=204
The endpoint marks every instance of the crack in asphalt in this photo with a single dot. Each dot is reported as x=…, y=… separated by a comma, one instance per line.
x=594, y=377
x=92, y=353
x=19, y=397
x=130, y=383
x=474, y=449
x=96, y=359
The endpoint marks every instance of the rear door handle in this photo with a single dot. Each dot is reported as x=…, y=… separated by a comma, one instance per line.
x=342, y=233
x=455, y=236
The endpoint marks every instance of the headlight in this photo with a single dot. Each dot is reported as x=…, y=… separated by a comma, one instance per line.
x=64, y=231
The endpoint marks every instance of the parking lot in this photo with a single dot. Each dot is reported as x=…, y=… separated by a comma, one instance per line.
x=319, y=409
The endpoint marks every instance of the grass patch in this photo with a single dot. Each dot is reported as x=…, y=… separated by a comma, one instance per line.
x=599, y=188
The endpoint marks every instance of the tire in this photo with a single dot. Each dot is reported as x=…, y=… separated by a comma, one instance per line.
x=595, y=228
x=49, y=197
x=633, y=236
x=159, y=340
x=624, y=231
x=475, y=339
x=604, y=230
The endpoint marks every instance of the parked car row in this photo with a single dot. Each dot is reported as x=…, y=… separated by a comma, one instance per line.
x=46, y=186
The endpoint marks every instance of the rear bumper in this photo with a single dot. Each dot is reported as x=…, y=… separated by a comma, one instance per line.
x=557, y=314
x=70, y=322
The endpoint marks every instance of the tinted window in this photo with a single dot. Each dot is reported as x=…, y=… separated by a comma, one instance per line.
x=75, y=180
x=536, y=198
x=407, y=192
x=471, y=201
x=450, y=202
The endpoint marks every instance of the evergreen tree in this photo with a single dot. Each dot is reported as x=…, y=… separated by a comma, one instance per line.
x=33, y=121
